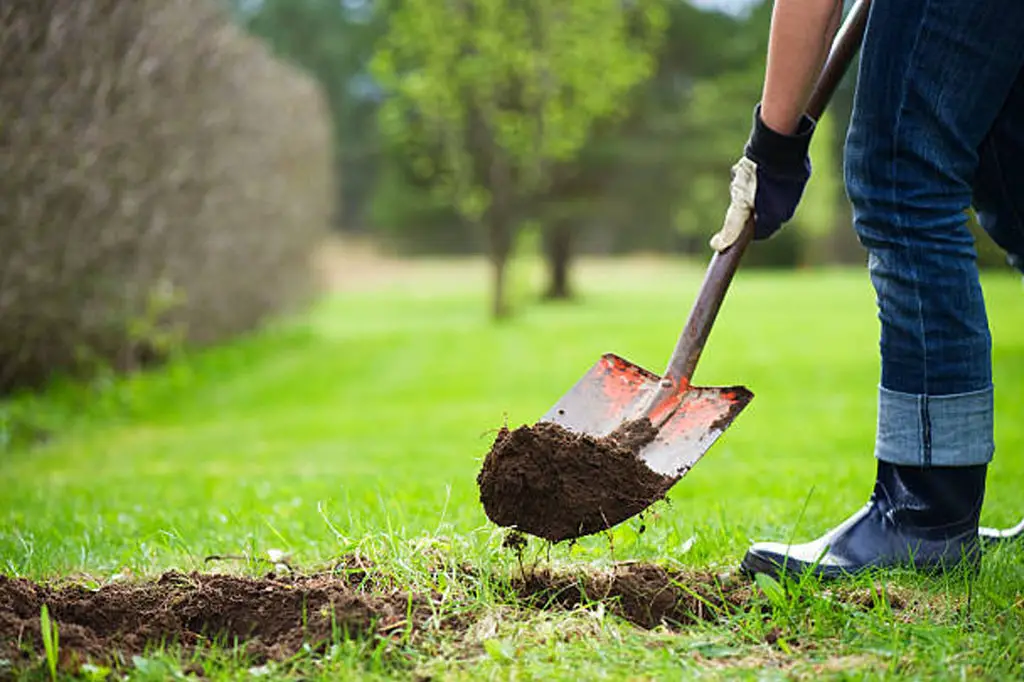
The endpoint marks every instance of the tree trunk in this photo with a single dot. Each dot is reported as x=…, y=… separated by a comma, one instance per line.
x=500, y=234
x=499, y=226
x=558, y=248
x=846, y=248
x=499, y=304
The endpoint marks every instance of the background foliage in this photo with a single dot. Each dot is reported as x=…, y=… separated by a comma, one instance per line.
x=165, y=176
x=159, y=167
x=653, y=177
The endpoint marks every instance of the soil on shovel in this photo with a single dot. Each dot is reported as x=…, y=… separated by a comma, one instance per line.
x=272, y=618
x=557, y=485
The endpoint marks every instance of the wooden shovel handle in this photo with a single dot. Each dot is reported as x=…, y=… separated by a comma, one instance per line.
x=723, y=265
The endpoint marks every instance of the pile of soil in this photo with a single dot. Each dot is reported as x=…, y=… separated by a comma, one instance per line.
x=555, y=484
x=646, y=595
x=271, y=618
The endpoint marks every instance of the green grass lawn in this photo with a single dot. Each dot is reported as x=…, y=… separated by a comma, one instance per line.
x=361, y=426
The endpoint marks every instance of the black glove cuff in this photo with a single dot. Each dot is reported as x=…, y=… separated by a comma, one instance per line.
x=780, y=154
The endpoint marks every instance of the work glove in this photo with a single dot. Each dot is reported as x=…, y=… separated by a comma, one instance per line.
x=769, y=180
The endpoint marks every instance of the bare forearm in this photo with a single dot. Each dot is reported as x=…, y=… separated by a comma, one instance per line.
x=801, y=33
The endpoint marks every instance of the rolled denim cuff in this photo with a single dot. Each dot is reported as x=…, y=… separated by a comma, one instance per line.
x=935, y=430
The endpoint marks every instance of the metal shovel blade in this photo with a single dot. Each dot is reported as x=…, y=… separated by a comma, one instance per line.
x=615, y=391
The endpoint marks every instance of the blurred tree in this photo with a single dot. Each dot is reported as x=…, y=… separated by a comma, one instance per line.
x=716, y=125
x=842, y=245
x=618, y=193
x=651, y=175
x=487, y=96
x=334, y=41
x=816, y=216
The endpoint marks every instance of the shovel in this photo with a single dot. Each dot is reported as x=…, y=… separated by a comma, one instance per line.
x=688, y=418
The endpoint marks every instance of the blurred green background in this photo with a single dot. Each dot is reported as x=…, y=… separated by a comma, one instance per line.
x=194, y=157
x=597, y=128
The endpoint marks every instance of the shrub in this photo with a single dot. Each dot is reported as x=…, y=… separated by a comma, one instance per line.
x=162, y=179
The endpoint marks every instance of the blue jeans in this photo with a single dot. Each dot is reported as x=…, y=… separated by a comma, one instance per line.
x=938, y=126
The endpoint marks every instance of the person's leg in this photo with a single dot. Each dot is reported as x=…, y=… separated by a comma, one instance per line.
x=999, y=203
x=999, y=182
x=933, y=78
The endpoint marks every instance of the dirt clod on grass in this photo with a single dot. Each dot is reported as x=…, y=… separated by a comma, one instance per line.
x=272, y=617
x=557, y=485
x=646, y=595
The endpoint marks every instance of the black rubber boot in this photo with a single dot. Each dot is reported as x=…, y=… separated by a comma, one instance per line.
x=920, y=518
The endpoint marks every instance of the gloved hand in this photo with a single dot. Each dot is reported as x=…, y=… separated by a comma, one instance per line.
x=769, y=180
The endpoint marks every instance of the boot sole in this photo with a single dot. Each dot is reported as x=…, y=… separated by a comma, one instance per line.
x=993, y=537
x=754, y=563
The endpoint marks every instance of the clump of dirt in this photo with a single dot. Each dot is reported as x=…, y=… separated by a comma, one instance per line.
x=271, y=617
x=515, y=541
x=555, y=484
x=646, y=595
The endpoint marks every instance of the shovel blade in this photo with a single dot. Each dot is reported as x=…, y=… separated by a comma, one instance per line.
x=615, y=391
